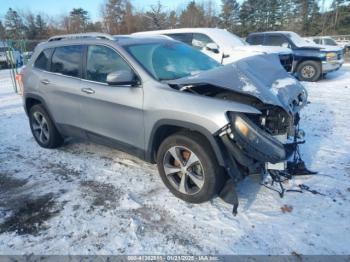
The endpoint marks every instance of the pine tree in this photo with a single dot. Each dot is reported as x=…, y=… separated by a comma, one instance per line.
x=31, y=30
x=246, y=16
x=229, y=16
x=306, y=10
x=78, y=20
x=2, y=32
x=41, y=27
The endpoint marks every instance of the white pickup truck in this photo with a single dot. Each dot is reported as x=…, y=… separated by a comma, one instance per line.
x=9, y=56
x=222, y=45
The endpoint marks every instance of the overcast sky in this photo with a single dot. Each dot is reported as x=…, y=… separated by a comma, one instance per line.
x=60, y=7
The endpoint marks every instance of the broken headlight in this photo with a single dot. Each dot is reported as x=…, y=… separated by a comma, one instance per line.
x=256, y=142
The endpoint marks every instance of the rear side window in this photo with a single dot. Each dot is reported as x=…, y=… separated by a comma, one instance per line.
x=66, y=60
x=182, y=37
x=43, y=60
x=101, y=61
x=256, y=40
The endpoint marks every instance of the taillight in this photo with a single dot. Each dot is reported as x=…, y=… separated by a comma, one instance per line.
x=19, y=83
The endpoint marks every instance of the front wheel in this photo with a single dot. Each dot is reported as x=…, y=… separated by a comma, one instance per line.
x=188, y=167
x=309, y=71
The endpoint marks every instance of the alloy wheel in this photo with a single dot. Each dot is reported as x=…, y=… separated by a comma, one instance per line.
x=40, y=127
x=184, y=170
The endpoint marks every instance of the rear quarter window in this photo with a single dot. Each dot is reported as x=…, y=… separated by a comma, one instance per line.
x=66, y=60
x=43, y=60
x=182, y=37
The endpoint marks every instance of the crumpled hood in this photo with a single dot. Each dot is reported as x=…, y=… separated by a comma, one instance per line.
x=260, y=76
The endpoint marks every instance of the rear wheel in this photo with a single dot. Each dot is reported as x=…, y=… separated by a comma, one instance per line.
x=188, y=167
x=309, y=71
x=43, y=129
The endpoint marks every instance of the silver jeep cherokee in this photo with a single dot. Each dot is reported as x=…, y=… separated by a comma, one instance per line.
x=203, y=123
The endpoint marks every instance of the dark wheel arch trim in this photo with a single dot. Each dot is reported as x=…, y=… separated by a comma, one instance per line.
x=299, y=59
x=215, y=143
x=42, y=101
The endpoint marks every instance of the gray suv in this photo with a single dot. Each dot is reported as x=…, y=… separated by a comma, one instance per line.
x=203, y=123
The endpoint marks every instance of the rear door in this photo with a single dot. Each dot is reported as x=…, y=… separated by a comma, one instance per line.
x=61, y=87
x=111, y=114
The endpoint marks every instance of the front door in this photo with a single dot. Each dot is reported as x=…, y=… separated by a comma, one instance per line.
x=111, y=113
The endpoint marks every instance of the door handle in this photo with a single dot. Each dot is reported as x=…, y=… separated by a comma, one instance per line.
x=45, y=81
x=88, y=91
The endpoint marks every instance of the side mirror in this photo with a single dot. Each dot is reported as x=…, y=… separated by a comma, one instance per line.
x=121, y=77
x=212, y=47
x=285, y=44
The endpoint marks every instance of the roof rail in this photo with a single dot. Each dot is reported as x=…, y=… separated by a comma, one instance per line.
x=82, y=35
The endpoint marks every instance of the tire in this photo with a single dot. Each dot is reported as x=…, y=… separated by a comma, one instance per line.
x=43, y=129
x=203, y=179
x=309, y=71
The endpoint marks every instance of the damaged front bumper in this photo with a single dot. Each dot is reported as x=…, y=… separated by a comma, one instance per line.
x=255, y=149
x=251, y=150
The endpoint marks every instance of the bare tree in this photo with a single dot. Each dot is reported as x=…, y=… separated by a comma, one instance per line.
x=192, y=16
x=210, y=17
x=113, y=14
x=157, y=17
x=173, y=19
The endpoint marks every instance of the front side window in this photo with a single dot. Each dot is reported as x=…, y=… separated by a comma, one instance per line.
x=200, y=41
x=101, y=61
x=168, y=61
x=276, y=40
x=66, y=60
x=43, y=60
x=297, y=39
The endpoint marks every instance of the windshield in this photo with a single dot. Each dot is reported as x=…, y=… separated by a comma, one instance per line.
x=298, y=40
x=3, y=49
x=168, y=61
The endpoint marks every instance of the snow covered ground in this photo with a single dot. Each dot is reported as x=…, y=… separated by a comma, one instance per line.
x=88, y=199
